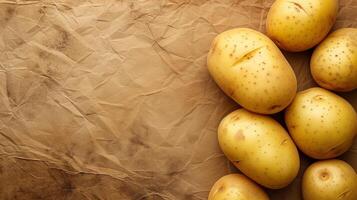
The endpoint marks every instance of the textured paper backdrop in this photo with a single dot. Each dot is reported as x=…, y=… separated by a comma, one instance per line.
x=105, y=99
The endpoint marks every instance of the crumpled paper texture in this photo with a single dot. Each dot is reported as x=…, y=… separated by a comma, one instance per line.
x=111, y=99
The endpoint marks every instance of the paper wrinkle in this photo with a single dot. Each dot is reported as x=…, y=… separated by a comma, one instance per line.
x=113, y=100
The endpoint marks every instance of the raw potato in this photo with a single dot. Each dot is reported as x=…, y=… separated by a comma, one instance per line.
x=250, y=68
x=329, y=180
x=298, y=25
x=322, y=124
x=236, y=187
x=334, y=61
x=259, y=147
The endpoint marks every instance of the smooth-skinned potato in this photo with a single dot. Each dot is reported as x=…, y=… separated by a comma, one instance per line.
x=236, y=187
x=259, y=147
x=334, y=61
x=321, y=123
x=250, y=69
x=299, y=25
x=329, y=180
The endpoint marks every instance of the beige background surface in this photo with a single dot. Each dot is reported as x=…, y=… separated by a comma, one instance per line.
x=105, y=99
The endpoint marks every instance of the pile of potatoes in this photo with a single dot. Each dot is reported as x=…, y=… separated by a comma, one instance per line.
x=250, y=68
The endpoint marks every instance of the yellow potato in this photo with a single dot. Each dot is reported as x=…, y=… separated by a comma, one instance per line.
x=329, y=180
x=298, y=25
x=259, y=147
x=250, y=68
x=236, y=187
x=322, y=124
x=334, y=61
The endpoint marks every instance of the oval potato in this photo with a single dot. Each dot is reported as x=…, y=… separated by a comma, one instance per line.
x=321, y=123
x=329, y=180
x=236, y=187
x=298, y=25
x=334, y=61
x=259, y=147
x=250, y=69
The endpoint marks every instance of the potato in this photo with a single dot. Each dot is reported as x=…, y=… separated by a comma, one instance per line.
x=299, y=25
x=250, y=68
x=322, y=124
x=329, y=180
x=334, y=61
x=236, y=187
x=259, y=147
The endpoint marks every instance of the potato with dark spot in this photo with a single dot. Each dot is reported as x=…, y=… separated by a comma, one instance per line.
x=321, y=123
x=236, y=187
x=259, y=147
x=298, y=25
x=334, y=61
x=250, y=69
x=329, y=180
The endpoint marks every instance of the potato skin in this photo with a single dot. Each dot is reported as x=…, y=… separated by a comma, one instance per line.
x=321, y=123
x=334, y=61
x=259, y=147
x=250, y=69
x=236, y=187
x=329, y=180
x=299, y=25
